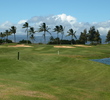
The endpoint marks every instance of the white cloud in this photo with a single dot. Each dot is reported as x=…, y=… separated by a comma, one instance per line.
x=103, y=30
x=6, y=25
x=61, y=19
x=69, y=18
x=22, y=21
x=53, y=19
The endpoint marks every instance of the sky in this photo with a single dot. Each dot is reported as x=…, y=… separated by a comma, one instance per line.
x=76, y=14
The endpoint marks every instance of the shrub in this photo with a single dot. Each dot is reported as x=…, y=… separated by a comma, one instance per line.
x=58, y=41
x=80, y=42
x=8, y=41
x=1, y=41
x=24, y=42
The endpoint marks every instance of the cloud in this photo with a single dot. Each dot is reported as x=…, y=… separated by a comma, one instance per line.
x=22, y=21
x=53, y=19
x=103, y=27
x=103, y=30
x=67, y=21
x=6, y=25
x=66, y=18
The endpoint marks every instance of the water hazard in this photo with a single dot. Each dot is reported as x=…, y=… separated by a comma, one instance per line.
x=104, y=60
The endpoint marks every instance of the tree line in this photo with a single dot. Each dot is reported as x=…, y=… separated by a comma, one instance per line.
x=92, y=35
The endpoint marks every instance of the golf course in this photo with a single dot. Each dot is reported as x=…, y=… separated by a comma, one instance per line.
x=54, y=72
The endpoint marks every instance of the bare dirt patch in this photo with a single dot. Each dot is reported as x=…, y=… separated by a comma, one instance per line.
x=2, y=85
x=82, y=46
x=17, y=91
x=63, y=47
x=21, y=45
x=6, y=91
x=37, y=94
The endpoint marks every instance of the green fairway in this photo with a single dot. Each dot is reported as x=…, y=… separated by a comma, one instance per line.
x=42, y=74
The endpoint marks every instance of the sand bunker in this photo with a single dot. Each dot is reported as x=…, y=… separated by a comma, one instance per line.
x=71, y=46
x=21, y=45
x=63, y=47
x=82, y=46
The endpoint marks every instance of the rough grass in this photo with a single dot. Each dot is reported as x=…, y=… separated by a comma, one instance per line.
x=42, y=74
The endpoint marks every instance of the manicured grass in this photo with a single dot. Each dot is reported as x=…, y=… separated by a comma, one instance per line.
x=42, y=74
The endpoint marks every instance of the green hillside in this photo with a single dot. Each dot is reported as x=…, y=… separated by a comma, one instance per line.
x=42, y=74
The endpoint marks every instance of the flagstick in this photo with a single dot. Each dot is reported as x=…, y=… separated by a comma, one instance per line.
x=58, y=52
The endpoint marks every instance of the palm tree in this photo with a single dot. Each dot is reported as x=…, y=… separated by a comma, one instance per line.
x=72, y=34
x=1, y=35
x=57, y=29
x=26, y=25
x=32, y=32
x=44, y=28
x=13, y=30
x=62, y=31
x=32, y=37
x=7, y=33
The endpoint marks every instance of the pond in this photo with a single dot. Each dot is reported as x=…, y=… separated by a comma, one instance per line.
x=104, y=60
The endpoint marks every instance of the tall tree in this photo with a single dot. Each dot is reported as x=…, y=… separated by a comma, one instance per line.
x=83, y=36
x=94, y=35
x=57, y=29
x=108, y=36
x=44, y=28
x=7, y=33
x=1, y=35
x=26, y=25
x=62, y=31
x=72, y=34
x=97, y=37
x=91, y=34
x=13, y=30
x=32, y=32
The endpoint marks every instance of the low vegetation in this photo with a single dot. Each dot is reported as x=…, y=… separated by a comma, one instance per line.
x=42, y=73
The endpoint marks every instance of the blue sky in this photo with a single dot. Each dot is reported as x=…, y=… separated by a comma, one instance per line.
x=83, y=10
x=76, y=14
